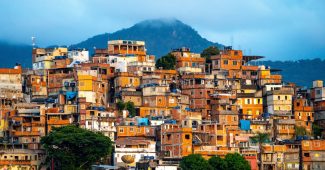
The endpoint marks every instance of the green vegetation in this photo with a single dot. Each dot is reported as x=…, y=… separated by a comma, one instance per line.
x=260, y=138
x=128, y=106
x=300, y=131
x=131, y=108
x=167, y=62
x=71, y=147
x=217, y=163
x=195, y=161
x=120, y=105
x=317, y=131
x=208, y=52
x=232, y=161
x=236, y=162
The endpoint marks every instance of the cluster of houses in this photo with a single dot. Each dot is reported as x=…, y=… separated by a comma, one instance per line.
x=201, y=107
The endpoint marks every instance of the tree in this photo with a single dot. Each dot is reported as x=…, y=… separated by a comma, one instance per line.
x=167, y=62
x=120, y=105
x=217, y=163
x=317, y=131
x=131, y=108
x=71, y=147
x=208, y=52
x=300, y=131
x=260, y=138
x=232, y=161
x=194, y=161
x=235, y=161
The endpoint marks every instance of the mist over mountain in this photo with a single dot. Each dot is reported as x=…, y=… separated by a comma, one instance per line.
x=161, y=36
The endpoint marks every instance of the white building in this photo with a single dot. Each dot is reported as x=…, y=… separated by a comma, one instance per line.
x=103, y=122
x=120, y=63
x=135, y=147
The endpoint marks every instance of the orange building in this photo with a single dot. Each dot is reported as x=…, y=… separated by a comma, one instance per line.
x=250, y=104
x=176, y=141
x=199, y=87
x=266, y=77
x=135, y=131
x=186, y=61
x=230, y=61
x=126, y=47
x=272, y=156
x=304, y=114
x=313, y=154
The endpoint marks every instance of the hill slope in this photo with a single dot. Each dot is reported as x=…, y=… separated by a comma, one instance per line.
x=160, y=36
x=302, y=72
x=10, y=54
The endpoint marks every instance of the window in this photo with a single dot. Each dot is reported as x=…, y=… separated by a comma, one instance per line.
x=225, y=62
x=131, y=129
x=187, y=136
x=278, y=97
x=121, y=130
x=258, y=101
x=248, y=101
x=234, y=63
x=286, y=97
x=236, y=52
x=317, y=91
x=185, y=123
x=306, y=154
x=168, y=136
x=244, y=72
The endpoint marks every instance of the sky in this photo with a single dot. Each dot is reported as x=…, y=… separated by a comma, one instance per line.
x=277, y=29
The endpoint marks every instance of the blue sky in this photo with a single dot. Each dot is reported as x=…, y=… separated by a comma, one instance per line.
x=280, y=30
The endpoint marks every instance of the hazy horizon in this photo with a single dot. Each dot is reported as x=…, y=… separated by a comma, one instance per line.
x=280, y=30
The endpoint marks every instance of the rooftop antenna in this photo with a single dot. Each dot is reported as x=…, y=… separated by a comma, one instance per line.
x=33, y=41
x=232, y=40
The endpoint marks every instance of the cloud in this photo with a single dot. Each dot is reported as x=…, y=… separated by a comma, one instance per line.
x=277, y=29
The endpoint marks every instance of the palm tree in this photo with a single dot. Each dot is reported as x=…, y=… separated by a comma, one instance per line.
x=260, y=138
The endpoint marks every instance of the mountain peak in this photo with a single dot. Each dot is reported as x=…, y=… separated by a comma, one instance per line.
x=160, y=22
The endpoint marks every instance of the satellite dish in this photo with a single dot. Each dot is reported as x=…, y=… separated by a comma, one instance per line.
x=128, y=159
x=152, y=164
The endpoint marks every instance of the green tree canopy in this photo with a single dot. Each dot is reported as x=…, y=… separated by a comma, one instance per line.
x=131, y=108
x=317, y=131
x=194, y=161
x=167, y=62
x=232, y=161
x=129, y=105
x=260, y=138
x=72, y=147
x=235, y=161
x=300, y=131
x=120, y=105
x=208, y=52
x=217, y=163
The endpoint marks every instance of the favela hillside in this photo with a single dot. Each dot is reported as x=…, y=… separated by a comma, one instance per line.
x=154, y=114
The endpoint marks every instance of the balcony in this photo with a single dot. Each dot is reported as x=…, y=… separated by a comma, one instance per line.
x=28, y=111
x=285, y=131
x=26, y=133
x=15, y=162
x=58, y=122
x=198, y=86
x=286, y=121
